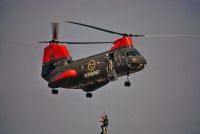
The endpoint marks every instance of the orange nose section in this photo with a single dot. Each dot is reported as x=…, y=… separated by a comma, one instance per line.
x=123, y=42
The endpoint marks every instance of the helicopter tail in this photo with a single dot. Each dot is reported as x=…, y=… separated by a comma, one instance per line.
x=54, y=55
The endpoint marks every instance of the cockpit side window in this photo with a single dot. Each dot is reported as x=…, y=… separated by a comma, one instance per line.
x=129, y=53
x=122, y=54
x=136, y=52
x=132, y=52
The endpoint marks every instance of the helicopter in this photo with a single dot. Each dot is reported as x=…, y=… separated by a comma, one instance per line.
x=93, y=72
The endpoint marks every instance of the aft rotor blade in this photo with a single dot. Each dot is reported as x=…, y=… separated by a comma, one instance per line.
x=87, y=42
x=5, y=41
x=45, y=42
x=67, y=42
x=55, y=30
x=17, y=43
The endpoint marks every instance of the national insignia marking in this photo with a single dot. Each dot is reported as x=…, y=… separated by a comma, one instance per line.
x=91, y=65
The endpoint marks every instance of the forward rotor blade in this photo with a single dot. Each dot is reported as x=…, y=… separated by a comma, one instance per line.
x=55, y=31
x=131, y=35
x=171, y=35
x=105, y=30
x=97, y=28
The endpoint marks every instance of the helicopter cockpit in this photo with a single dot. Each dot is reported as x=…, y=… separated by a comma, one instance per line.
x=134, y=59
x=130, y=52
x=133, y=52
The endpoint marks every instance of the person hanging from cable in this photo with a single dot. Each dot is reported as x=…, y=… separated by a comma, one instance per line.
x=104, y=123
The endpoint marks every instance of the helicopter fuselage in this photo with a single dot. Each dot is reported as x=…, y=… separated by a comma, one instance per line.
x=96, y=71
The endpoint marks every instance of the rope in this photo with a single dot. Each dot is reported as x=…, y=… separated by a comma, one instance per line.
x=104, y=101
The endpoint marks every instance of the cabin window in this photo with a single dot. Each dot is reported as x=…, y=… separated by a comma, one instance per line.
x=111, y=55
x=82, y=67
x=98, y=62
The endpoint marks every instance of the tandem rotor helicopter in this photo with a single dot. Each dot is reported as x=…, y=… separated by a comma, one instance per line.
x=93, y=72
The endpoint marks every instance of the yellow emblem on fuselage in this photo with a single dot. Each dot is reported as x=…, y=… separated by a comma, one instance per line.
x=91, y=65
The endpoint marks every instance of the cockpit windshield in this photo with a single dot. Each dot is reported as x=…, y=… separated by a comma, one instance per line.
x=133, y=52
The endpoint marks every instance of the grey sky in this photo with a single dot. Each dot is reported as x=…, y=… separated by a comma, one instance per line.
x=163, y=99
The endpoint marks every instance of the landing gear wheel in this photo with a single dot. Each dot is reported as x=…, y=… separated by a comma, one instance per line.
x=127, y=84
x=89, y=95
x=54, y=91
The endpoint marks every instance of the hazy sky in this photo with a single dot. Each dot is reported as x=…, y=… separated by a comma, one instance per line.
x=163, y=99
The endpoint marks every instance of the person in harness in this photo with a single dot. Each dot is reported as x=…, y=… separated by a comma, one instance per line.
x=110, y=63
x=104, y=123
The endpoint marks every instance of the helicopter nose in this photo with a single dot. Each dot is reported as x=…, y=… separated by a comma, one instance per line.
x=137, y=61
x=140, y=60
